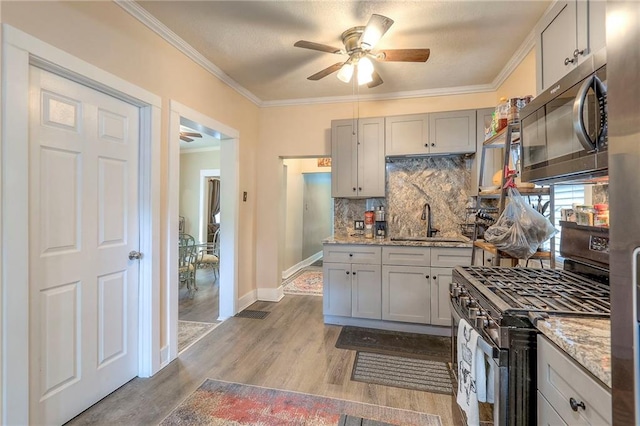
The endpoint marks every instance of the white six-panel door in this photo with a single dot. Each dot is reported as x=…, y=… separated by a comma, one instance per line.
x=83, y=222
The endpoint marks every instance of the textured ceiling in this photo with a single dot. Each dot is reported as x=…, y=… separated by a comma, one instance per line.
x=252, y=41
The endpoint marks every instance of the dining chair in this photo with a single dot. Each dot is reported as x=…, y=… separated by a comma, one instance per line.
x=209, y=254
x=187, y=257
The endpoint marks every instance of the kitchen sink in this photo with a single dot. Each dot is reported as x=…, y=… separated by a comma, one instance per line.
x=432, y=239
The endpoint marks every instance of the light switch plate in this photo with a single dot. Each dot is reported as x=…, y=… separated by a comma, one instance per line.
x=358, y=225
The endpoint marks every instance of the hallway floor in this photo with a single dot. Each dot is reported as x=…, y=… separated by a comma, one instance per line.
x=291, y=349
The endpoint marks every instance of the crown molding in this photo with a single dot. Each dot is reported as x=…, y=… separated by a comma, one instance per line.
x=172, y=38
x=195, y=150
x=444, y=91
x=139, y=13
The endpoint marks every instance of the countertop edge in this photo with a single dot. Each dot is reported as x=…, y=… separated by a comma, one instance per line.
x=357, y=240
x=585, y=340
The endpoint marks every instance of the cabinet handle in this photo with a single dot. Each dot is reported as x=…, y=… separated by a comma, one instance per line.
x=426, y=276
x=350, y=254
x=427, y=145
x=434, y=277
x=568, y=61
x=353, y=273
x=578, y=52
x=359, y=189
x=354, y=188
x=575, y=405
x=347, y=272
x=433, y=144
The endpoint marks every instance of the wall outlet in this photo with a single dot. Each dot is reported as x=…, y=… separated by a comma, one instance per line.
x=358, y=225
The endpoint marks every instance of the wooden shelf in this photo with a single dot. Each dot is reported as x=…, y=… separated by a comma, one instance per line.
x=523, y=191
x=490, y=248
x=499, y=139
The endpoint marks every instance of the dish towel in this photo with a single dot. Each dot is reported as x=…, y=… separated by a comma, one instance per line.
x=467, y=397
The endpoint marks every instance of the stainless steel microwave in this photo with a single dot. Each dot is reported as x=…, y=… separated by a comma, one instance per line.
x=564, y=129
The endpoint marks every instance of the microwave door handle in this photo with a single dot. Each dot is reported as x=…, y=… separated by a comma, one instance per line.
x=578, y=112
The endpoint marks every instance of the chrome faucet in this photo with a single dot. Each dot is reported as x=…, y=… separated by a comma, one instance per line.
x=426, y=215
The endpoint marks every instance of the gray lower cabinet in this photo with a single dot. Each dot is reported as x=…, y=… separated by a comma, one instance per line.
x=390, y=283
x=366, y=293
x=406, y=293
x=572, y=394
x=440, y=310
x=351, y=279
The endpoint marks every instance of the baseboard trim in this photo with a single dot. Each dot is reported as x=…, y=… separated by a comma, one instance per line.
x=247, y=300
x=433, y=330
x=306, y=262
x=271, y=294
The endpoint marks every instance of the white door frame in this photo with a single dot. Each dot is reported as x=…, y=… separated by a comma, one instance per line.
x=19, y=51
x=229, y=198
x=204, y=208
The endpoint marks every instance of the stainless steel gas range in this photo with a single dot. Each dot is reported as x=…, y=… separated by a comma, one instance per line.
x=503, y=305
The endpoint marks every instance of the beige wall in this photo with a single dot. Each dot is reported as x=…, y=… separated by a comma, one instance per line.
x=104, y=35
x=522, y=81
x=190, y=166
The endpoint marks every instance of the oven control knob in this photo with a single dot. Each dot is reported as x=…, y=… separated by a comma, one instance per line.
x=456, y=291
x=473, y=313
x=463, y=300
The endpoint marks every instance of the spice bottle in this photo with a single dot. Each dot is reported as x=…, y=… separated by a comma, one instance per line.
x=601, y=217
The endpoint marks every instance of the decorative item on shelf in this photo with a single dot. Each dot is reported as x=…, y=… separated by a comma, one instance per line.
x=368, y=223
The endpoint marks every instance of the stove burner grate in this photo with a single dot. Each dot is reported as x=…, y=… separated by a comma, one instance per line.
x=544, y=290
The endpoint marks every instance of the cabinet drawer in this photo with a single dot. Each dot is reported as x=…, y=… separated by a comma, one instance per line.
x=406, y=256
x=450, y=257
x=351, y=254
x=560, y=379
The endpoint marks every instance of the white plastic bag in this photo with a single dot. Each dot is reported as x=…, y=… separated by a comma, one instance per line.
x=520, y=229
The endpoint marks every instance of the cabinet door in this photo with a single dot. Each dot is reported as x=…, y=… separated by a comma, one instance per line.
x=407, y=256
x=366, y=291
x=371, y=170
x=556, y=41
x=406, y=294
x=407, y=134
x=547, y=416
x=440, y=310
x=452, y=132
x=449, y=257
x=336, y=298
x=592, y=34
x=343, y=159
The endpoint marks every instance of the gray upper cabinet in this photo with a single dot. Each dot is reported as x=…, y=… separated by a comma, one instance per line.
x=407, y=134
x=358, y=158
x=452, y=132
x=566, y=36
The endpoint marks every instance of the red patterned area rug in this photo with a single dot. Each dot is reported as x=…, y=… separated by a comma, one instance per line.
x=225, y=403
x=306, y=281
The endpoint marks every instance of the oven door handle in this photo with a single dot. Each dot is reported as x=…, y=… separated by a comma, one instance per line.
x=578, y=113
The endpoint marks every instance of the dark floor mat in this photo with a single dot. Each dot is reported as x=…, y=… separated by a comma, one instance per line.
x=248, y=313
x=412, y=345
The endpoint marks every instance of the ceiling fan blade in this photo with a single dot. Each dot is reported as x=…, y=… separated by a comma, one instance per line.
x=375, y=29
x=317, y=46
x=191, y=134
x=325, y=72
x=404, y=55
x=186, y=139
x=377, y=80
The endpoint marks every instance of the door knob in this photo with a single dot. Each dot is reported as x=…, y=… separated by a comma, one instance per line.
x=135, y=255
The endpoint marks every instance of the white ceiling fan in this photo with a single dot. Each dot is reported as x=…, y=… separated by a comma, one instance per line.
x=188, y=136
x=358, y=44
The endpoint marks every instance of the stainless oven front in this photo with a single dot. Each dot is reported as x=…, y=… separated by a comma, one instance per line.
x=497, y=412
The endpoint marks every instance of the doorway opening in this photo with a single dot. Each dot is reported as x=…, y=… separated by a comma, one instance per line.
x=211, y=295
x=308, y=219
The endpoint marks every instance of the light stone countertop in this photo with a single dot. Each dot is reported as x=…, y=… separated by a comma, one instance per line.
x=586, y=340
x=435, y=242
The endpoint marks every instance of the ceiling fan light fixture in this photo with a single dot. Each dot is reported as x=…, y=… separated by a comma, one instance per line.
x=365, y=71
x=346, y=72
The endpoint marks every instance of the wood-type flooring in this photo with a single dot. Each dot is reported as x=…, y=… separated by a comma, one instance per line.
x=291, y=349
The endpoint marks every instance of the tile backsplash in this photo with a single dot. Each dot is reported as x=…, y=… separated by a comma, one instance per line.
x=443, y=182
